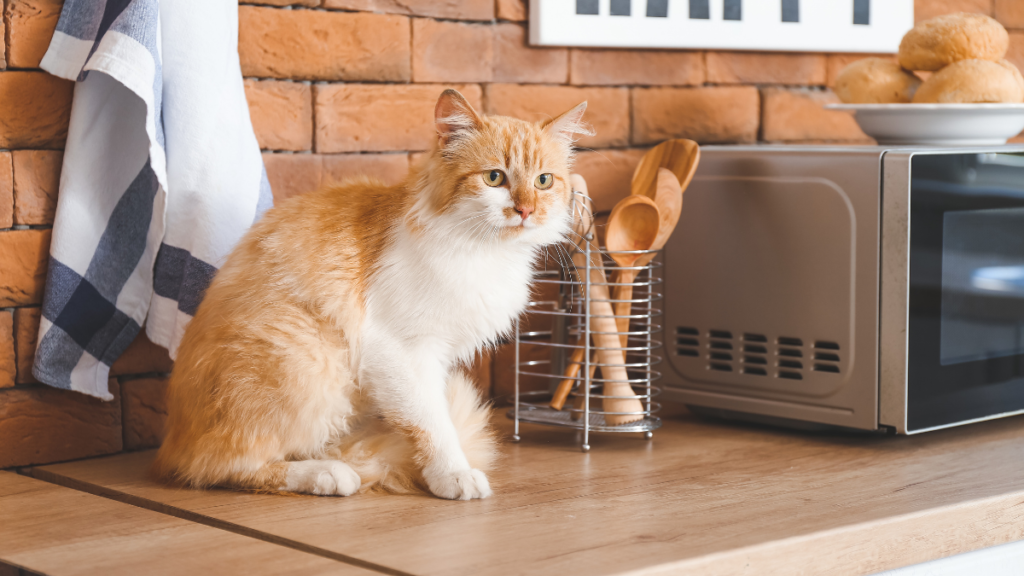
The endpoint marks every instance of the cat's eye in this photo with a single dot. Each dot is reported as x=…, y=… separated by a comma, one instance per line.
x=544, y=181
x=494, y=177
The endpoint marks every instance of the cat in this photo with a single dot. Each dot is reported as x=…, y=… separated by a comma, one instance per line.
x=327, y=354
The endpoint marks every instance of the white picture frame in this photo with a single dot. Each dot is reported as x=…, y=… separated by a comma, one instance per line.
x=821, y=25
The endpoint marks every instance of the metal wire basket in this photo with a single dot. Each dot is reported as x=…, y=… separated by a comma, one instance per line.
x=605, y=359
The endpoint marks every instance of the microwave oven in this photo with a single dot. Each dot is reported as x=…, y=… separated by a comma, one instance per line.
x=870, y=288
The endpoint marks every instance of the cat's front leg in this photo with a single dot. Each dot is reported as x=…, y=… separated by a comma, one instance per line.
x=409, y=385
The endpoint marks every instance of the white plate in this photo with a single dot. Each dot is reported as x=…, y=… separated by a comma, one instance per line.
x=938, y=124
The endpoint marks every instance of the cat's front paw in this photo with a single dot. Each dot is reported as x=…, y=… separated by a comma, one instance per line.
x=460, y=485
x=322, y=477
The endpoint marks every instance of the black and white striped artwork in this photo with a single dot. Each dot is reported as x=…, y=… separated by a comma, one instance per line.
x=786, y=25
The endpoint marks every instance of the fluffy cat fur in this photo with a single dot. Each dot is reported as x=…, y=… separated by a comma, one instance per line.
x=326, y=356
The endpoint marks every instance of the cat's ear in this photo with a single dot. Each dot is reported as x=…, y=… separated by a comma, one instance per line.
x=453, y=114
x=566, y=126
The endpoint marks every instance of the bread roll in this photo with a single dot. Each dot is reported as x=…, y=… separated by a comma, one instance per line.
x=875, y=81
x=941, y=41
x=971, y=81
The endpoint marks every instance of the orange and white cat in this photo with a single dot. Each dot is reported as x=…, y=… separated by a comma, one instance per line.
x=327, y=354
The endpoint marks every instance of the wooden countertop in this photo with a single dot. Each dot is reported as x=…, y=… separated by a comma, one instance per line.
x=702, y=497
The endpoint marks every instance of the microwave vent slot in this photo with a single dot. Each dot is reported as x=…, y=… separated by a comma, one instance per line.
x=755, y=354
x=687, y=343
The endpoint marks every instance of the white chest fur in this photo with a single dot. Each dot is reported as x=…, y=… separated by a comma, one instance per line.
x=448, y=295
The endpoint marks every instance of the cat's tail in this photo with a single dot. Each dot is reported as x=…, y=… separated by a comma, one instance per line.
x=386, y=459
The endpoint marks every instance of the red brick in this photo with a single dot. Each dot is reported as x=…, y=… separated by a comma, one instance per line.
x=607, y=108
x=142, y=357
x=837, y=62
x=380, y=117
x=388, y=168
x=644, y=67
x=453, y=9
x=928, y=9
x=26, y=333
x=292, y=174
x=42, y=425
x=514, y=10
x=36, y=181
x=798, y=115
x=282, y=114
x=36, y=109
x=1010, y=13
x=451, y=51
x=8, y=361
x=707, y=115
x=608, y=174
x=765, y=68
x=143, y=412
x=23, y=256
x=6, y=190
x=31, y=24
x=319, y=45
x=3, y=45
x=516, y=61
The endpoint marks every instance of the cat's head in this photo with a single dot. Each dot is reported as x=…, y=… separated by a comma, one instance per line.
x=501, y=179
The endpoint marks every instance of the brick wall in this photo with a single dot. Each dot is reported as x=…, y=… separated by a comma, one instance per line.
x=344, y=87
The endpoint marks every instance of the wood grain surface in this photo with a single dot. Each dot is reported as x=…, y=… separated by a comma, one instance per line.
x=703, y=497
x=54, y=530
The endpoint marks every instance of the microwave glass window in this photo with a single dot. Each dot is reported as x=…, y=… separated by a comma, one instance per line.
x=965, y=343
x=982, y=285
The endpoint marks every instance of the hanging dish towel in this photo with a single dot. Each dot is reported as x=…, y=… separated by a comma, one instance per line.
x=162, y=175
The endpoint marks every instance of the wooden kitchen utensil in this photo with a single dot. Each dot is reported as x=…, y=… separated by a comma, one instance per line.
x=669, y=199
x=633, y=225
x=681, y=156
x=602, y=324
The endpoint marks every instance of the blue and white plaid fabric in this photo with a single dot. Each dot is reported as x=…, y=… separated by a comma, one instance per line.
x=162, y=175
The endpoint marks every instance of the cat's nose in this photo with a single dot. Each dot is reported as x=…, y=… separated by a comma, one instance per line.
x=524, y=211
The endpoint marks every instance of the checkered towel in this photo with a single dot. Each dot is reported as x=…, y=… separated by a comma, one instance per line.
x=162, y=175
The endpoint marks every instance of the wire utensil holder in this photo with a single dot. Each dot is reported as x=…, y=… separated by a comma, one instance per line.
x=616, y=351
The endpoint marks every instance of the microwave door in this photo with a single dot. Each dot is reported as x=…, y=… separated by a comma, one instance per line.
x=965, y=299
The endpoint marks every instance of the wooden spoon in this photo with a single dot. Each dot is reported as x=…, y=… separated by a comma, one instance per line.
x=633, y=225
x=669, y=199
x=680, y=156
